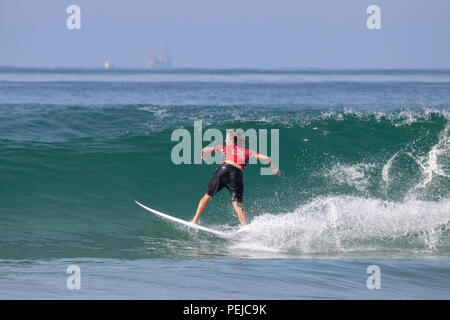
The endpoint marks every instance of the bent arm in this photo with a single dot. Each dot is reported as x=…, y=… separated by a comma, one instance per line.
x=207, y=151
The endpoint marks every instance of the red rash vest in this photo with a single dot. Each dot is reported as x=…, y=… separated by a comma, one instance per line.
x=236, y=154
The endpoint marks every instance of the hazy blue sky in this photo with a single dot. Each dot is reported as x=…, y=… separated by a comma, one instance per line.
x=227, y=34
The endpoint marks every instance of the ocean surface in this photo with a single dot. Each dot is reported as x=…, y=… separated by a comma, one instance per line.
x=365, y=156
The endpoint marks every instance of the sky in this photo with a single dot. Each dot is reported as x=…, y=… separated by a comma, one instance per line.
x=227, y=33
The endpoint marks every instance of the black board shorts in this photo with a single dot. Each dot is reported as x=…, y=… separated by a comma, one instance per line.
x=227, y=175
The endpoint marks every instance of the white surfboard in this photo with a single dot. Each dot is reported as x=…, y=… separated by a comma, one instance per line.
x=186, y=223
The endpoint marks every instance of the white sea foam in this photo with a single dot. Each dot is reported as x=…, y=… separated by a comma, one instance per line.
x=436, y=162
x=346, y=224
x=387, y=167
x=397, y=118
x=356, y=175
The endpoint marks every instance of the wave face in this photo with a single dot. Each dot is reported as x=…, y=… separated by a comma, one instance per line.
x=366, y=168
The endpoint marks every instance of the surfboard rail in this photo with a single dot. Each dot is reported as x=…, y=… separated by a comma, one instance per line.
x=184, y=222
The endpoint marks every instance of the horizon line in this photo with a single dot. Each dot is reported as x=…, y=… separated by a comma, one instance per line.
x=180, y=68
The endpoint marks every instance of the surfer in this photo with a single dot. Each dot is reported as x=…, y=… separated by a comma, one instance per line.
x=229, y=173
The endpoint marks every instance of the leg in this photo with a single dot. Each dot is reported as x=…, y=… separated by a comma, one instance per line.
x=236, y=188
x=240, y=212
x=201, y=206
x=214, y=186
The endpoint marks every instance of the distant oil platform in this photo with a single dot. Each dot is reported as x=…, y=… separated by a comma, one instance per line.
x=160, y=61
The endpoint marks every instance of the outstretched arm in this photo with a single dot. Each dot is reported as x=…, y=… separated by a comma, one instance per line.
x=267, y=160
x=207, y=151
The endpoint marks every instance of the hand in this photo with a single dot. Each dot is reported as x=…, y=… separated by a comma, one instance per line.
x=276, y=171
x=193, y=221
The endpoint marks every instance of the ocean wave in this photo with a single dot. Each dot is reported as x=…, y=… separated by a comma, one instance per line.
x=342, y=225
x=41, y=122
